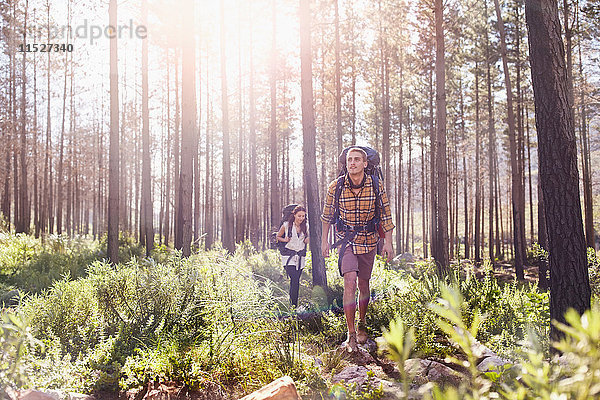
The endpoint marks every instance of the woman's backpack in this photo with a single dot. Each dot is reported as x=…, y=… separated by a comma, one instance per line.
x=285, y=215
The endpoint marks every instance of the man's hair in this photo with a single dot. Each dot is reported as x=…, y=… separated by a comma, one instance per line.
x=358, y=149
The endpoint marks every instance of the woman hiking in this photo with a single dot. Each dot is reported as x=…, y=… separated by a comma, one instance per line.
x=294, y=233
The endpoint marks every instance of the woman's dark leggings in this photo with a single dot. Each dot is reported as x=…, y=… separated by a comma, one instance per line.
x=294, y=275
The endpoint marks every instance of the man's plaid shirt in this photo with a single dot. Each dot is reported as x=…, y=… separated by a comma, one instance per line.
x=358, y=209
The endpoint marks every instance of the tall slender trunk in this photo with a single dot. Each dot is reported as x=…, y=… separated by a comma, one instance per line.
x=36, y=191
x=253, y=221
x=353, y=71
x=69, y=221
x=60, y=176
x=477, y=232
x=13, y=118
x=275, y=205
x=440, y=245
x=240, y=192
x=208, y=214
x=491, y=146
x=196, y=150
x=423, y=197
x=590, y=235
x=529, y=175
x=177, y=221
x=113, y=189
x=338, y=84
x=309, y=142
x=169, y=150
x=188, y=127
x=518, y=198
x=227, y=224
x=147, y=223
x=409, y=210
x=23, y=197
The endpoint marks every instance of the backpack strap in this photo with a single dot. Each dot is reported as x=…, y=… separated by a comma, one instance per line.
x=378, y=205
x=339, y=186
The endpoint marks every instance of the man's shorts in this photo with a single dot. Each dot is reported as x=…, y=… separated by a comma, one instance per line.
x=361, y=263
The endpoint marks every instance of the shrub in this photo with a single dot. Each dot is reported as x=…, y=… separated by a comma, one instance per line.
x=15, y=341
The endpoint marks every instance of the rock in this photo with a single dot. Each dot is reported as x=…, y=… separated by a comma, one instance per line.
x=11, y=393
x=391, y=390
x=161, y=391
x=395, y=391
x=481, y=352
x=493, y=363
x=371, y=346
x=280, y=389
x=424, y=371
x=405, y=260
x=79, y=396
x=157, y=394
x=10, y=298
x=565, y=360
x=31, y=394
x=360, y=357
x=351, y=374
x=136, y=394
x=407, y=257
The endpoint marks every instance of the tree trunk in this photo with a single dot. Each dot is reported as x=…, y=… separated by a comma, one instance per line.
x=168, y=178
x=188, y=127
x=464, y=166
x=228, y=241
x=409, y=210
x=569, y=281
x=491, y=146
x=518, y=198
x=69, y=221
x=529, y=175
x=113, y=189
x=543, y=279
x=590, y=235
x=147, y=223
x=23, y=197
x=275, y=204
x=208, y=213
x=338, y=84
x=423, y=197
x=61, y=171
x=178, y=222
x=311, y=187
x=36, y=191
x=440, y=209
x=253, y=221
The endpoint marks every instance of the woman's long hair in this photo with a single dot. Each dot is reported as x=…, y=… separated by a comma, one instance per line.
x=293, y=216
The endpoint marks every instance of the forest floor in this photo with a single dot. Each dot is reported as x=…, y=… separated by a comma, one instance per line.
x=505, y=272
x=353, y=370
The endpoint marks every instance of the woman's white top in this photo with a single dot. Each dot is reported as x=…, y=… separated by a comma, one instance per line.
x=296, y=243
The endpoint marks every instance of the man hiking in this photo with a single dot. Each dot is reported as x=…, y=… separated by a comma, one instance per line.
x=360, y=211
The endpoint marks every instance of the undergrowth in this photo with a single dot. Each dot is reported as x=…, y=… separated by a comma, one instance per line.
x=222, y=323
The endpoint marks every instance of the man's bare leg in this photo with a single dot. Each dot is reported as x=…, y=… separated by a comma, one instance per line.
x=349, y=301
x=364, y=295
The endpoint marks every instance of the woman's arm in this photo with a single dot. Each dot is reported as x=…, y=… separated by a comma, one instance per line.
x=281, y=234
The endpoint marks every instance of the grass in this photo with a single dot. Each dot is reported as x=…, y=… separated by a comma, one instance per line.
x=222, y=322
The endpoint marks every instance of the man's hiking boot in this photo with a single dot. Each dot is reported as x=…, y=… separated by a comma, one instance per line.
x=361, y=332
x=350, y=343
